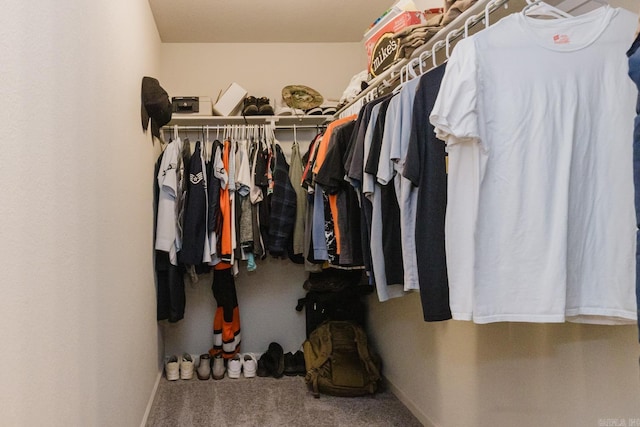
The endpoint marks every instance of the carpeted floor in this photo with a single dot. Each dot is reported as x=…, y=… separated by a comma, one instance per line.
x=269, y=402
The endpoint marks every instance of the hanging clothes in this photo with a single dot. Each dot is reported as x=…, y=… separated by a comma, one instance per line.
x=262, y=181
x=343, y=200
x=425, y=171
x=231, y=165
x=195, y=217
x=388, y=281
x=170, y=296
x=213, y=197
x=354, y=167
x=306, y=182
x=395, y=142
x=226, y=321
x=634, y=72
x=225, y=241
x=244, y=211
x=392, y=250
x=182, y=183
x=167, y=177
x=256, y=195
x=283, y=206
x=552, y=241
x=295, y=177
x=320, y=232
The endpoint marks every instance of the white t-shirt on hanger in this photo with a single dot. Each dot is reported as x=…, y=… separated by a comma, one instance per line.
x=550, y=107
x=166, y=232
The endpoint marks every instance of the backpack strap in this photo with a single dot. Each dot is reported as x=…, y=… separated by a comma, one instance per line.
x=363, y=352
x=319, y=340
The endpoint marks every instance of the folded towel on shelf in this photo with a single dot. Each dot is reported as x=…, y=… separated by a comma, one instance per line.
x=408, y=42
x=453, y=9
x=414, y=36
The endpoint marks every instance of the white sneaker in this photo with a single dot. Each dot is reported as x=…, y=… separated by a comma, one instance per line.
x=283, y=109
x=249, y=365
x=186, y=367
x=172, y=368
x=234, y=367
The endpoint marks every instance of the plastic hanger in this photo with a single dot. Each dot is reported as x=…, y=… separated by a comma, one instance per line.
x=467, y=24
x=423, y=61
x=405, y=71
x=206, y=144
x=473, y=20
x=487, y=12
x=404, y=77
x=447, y=43
x=437, y=45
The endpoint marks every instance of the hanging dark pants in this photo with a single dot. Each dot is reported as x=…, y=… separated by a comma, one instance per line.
x=226, y=321
x=170, y=292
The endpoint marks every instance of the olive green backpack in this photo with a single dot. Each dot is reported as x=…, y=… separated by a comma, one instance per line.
x=339, y=360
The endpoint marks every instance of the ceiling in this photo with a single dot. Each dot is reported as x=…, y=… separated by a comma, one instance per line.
x=273, y=21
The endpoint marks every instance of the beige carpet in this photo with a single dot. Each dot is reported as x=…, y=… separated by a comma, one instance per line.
x=269, y=402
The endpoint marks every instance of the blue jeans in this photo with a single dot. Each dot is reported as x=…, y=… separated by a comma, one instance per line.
x=634, y=73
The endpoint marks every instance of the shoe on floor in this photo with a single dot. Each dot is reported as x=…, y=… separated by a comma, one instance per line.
x=172, y=368
x=298, y=362
x=249, y=365
x=262, y=370
x=234, y=366
x=276, y=358
x=204, y=367
x=186, y=367
x=289, y=365
x=218, y=370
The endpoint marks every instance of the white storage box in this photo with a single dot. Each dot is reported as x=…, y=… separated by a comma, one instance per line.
x=231, y=99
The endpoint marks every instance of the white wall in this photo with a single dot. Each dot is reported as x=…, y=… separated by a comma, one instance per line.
x=457, y=373
x=632, y=5
x=263, y=69
x=79, y=336
x=268, y=296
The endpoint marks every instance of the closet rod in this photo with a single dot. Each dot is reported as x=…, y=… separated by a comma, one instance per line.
x=221, y=127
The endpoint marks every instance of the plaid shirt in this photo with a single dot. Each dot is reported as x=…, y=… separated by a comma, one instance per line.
x=283, y=207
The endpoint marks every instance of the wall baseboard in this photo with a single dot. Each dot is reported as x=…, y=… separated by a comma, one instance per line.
x=151, y=398
x=406, y=400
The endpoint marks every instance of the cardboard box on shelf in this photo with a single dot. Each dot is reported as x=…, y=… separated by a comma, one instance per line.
x=382, y=49
x=228, y=103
